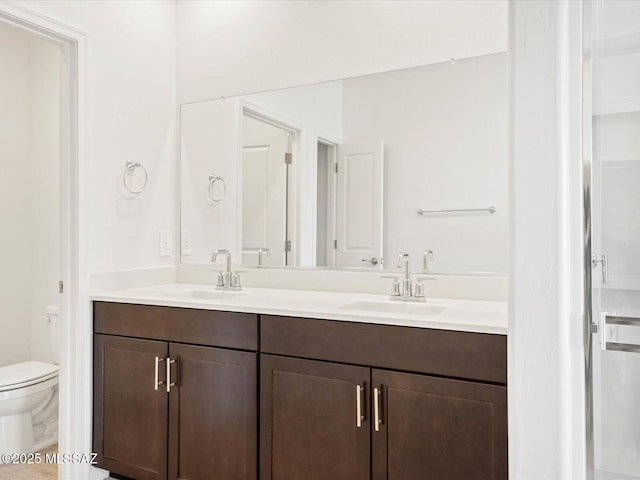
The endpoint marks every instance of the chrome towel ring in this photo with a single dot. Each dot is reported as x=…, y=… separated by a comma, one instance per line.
x=213, y=179
x=130, y=167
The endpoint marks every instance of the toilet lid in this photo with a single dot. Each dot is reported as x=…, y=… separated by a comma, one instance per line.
x=24, y=374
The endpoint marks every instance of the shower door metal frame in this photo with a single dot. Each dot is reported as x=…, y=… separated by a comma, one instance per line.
x=587, y=166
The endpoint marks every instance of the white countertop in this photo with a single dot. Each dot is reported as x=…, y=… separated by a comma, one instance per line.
x=459, y=315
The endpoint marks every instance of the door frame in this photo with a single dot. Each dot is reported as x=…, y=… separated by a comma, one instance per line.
x=332, y=185
x=74, y=423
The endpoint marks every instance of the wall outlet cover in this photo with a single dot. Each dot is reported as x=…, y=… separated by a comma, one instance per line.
x=164, y=243
x=185, y=242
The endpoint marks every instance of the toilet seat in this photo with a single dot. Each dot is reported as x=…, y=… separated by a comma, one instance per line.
x=20, y=375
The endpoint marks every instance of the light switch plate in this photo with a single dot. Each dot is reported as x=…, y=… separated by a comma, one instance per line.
x=164, y=243
x=185, y=242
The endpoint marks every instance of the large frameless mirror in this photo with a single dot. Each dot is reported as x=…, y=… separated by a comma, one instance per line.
x=351, y=173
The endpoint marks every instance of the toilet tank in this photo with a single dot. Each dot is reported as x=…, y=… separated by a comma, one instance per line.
x=53, y=313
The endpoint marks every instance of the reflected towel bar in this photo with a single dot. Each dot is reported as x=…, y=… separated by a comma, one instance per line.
x=491, y=209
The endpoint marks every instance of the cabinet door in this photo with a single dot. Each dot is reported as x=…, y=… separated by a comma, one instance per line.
x=213, y=414
x=309, y=427
x=434, y=428
x=130, y=415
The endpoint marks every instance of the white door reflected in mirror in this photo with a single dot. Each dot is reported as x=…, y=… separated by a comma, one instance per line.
x=359, y=203
x=264, y=191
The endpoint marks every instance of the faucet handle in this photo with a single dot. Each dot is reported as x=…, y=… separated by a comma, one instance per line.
x=235, y=280
x=419, y=292
x=220, y=279
x=262, y=250
x=395, y=286
x=420, y=286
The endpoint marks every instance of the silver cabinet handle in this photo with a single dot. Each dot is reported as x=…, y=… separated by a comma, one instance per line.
x=376, y=409
x=169, y=383
x=359, y=413
x=156, y=381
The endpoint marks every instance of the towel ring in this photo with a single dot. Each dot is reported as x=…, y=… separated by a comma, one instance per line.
x=212, y=181
x=129, y=169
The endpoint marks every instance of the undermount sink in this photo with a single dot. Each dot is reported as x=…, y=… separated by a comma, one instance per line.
x=205, y=294
x=395, y=307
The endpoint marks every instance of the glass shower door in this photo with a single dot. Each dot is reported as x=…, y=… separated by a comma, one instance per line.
x=616, y=238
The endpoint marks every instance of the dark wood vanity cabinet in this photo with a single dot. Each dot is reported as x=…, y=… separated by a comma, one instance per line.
x=438, y=428
x=204, y=427
x=321, y=420
x=412, y=426
x=336, y=400
x=130, y=416
x=309, y=426
x=212, y=414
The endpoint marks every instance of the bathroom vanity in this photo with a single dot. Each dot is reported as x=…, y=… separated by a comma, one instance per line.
x=193, y=389
x=201, y=407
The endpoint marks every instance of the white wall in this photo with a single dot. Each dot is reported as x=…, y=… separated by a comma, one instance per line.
x=131, y=102
x=445, y=139
x=15, y=196
x=30, y=185
x=229, y=48
x=209, y=142
x=43, y=186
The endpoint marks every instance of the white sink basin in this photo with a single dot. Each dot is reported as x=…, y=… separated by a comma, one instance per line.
x=395, y=307
x=205, y=294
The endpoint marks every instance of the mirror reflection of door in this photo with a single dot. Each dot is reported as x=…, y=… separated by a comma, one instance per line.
x=264, y=192
x=359, y=205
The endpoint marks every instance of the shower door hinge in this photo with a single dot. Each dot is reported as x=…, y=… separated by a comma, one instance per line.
x=288, y=158
x=287, y=245
x=60, y=286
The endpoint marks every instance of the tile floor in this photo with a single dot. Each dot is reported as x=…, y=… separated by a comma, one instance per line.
x=41, y=471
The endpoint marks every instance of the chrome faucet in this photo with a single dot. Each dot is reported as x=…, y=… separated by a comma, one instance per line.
x=427, y=256
x=260, y=252
x=406, y=293
x=404, y=261
x=227, y=280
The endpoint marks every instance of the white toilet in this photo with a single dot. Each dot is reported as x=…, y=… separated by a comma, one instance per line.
x=29, y=398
